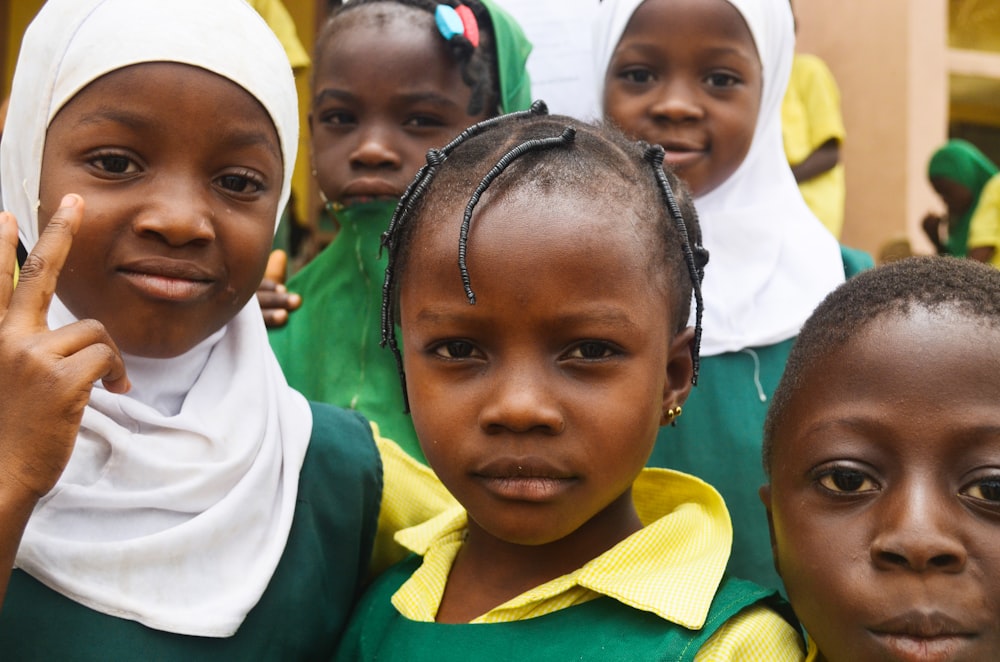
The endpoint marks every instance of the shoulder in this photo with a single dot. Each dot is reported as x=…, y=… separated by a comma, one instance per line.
x=748, y=626
x=342, y=454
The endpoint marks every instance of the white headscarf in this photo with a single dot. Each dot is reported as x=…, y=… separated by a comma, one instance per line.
x=771, y=260
x=176, y=504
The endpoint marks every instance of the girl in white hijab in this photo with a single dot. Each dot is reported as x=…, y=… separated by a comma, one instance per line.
x=177, y=524
x=706, y=78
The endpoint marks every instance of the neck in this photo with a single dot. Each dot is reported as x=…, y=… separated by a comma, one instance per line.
x=490, y=571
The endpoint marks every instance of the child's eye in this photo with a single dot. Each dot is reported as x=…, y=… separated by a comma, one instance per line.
x=640, y=76
x=456, y=349
x=987, y=489
x=720, y=79
x=115, y=164
x=422, y=121
x=244, y=183
x=591, y=350
x=843, y=479
x=336, y=117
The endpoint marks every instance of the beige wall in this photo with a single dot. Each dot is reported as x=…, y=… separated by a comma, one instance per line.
x=890, y=60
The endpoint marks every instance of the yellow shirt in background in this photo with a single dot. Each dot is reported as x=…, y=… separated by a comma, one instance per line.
x=278, y=19
x=984, y=226
x=671, y=567
x=810, y=116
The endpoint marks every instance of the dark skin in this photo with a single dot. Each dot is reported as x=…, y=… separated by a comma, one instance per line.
x=823, y=159
x=376, y=113
x=538, y=406
x=177, y=223
x=958, y=198
x=884, y=502
x=686, y=75
x=48, y=374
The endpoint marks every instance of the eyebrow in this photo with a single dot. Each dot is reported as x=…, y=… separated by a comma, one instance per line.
x=409, y=98
x=652, y=49
x=234, y=136
x=601, y=316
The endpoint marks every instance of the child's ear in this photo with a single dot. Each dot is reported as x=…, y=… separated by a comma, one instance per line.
x=680, y=370
x=765, y=498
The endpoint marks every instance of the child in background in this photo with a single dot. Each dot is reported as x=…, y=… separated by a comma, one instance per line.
x=545, y=341
x=961, y=175
x=812, y=131
x=189, y=504
x=883, y=451
x=705, y=79
x=389, y=85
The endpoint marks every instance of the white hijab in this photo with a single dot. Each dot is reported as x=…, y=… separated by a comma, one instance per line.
x=771, y=260
x=176, y=504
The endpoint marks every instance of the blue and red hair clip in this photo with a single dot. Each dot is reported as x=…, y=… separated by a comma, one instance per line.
x=456, y=21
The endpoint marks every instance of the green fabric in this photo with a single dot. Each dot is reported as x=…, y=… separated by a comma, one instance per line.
x=301, y=614
x=961, y=162
x=718, y=438
x=329, y=349
x=513, y=49
x=602, y=630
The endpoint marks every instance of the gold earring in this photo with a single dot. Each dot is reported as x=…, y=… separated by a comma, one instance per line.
x=673, y=413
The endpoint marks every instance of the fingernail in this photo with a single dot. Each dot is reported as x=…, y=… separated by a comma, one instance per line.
x=69, y=200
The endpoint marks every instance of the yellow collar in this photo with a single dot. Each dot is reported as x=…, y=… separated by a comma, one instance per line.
x=671, y=567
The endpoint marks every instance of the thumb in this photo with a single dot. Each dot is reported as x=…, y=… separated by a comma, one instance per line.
x=277, y=263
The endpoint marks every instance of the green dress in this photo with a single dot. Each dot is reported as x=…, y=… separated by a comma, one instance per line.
x=718, y=438
x=301, y=614
x=602, y=630
x=329, y=349
x=961, y=162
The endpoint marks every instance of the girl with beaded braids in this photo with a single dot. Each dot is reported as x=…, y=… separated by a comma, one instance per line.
x=393, y=79
x=544, y=343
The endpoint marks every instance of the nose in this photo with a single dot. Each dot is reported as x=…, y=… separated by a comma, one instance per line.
x=521, y=401
x=677, y=101
x=178, y=211
x=375, y=150
x=918, y=534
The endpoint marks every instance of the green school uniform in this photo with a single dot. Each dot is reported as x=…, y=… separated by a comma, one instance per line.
x=961, y=162
x=304, y=608
x=718, y=438
x=329, y=349
x=603, y=630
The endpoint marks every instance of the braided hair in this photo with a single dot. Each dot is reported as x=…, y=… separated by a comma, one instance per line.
x=931, y=283
x=532, y=149
x=478, y=64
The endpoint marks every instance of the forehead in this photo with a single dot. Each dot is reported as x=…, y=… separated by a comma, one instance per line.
x=156, y=87
x=904, y=381
x=716, y=24
x=368, y=32
x=534, y=232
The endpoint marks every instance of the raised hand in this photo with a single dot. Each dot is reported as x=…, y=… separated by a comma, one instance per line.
x=46, y=376
x=276, y=301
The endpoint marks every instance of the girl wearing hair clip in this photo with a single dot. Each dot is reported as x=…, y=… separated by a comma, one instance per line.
x=544, y=343
x=393, y=78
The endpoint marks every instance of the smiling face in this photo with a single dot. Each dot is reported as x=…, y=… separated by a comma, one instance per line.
x=539, y=405
x=885, y=492
x=377, y=110
x=686, y=75
x=180, y=205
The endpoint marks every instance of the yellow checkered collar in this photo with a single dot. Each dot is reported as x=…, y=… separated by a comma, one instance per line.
x=671, y=567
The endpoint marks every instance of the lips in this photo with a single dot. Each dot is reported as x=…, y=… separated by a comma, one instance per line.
x=682, y=153
x=922, y=637
x=366, y=189
x=525, y=479
x=167, y=279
